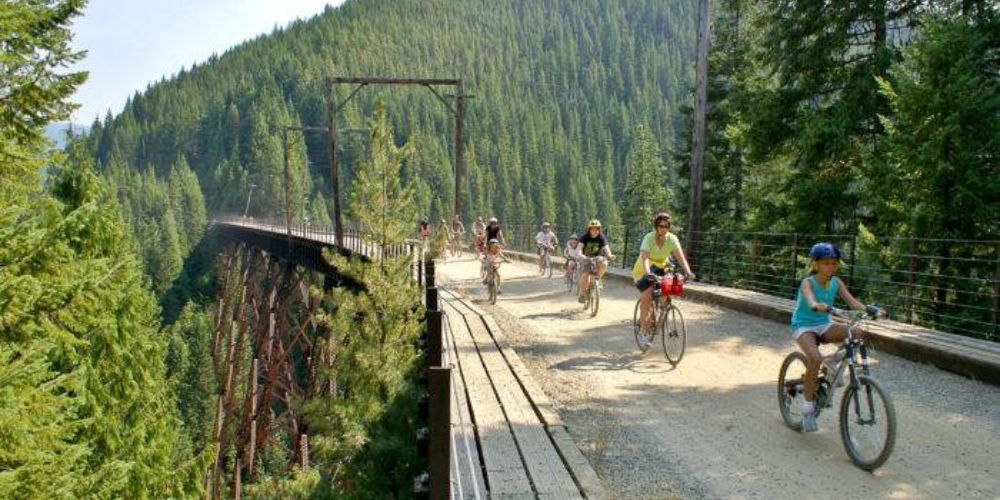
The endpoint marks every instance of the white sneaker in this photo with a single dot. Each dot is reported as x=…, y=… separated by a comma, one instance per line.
x=809, y=422
x=809, y=417
x=643, y=341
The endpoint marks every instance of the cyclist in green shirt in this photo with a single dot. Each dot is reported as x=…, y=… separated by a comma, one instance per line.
x=654, y=255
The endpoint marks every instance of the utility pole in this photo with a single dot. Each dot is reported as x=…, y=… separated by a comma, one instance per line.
x=459, y=158
x=247, y=209
x=331, y=112
x=288, y=187
x=698, y=134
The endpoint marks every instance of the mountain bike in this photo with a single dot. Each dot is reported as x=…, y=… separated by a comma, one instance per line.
x=668, y=322
x=492, y=281
x=596, y=284
x=546, y=268
x=867, y=414
x=455, y=245
x=572, y=278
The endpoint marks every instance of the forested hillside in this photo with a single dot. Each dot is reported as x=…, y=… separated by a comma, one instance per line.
x=856, y=118
x=559, y=89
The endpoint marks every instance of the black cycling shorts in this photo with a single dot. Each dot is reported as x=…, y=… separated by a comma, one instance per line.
x=646, y=282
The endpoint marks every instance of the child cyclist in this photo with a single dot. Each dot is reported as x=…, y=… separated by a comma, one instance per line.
x=573, y=254
x=811, y=324
x=493, y=256
x=546, y=241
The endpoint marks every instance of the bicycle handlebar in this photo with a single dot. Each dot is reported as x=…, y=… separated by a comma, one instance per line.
x=870, y=312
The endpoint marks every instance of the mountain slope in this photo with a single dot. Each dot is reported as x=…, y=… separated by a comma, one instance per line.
x=559, y=88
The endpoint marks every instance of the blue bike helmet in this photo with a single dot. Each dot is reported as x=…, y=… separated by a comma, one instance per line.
x=824, y=251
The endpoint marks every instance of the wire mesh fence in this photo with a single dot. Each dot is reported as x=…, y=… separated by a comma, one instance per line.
x=948, y=285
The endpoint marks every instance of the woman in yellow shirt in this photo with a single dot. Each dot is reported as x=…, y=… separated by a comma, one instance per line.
x=654, y=253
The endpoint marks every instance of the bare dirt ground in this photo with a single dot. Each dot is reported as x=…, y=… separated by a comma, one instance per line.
x=710, y=427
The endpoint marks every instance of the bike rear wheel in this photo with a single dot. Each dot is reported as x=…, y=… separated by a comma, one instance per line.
x=867, y=423
x=791, y=384
x=637, y=327
x=673, y=334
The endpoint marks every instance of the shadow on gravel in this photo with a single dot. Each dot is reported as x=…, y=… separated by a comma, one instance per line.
x=638, y=363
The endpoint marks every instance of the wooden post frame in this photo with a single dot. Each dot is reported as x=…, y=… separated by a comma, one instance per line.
x=333, y=108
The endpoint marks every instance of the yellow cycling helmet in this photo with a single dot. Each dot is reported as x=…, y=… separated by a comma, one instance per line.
x=594, y=223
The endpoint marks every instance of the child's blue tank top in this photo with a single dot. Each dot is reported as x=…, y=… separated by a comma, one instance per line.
x=804, y=315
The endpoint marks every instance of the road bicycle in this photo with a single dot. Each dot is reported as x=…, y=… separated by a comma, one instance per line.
x=668, y=322
x=596, y=284
x=867, y=414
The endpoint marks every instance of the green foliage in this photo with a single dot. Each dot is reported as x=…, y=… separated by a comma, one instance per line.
x=362, y=434
x=35, y=38
x=558, y=87
x=645, y=190
x=74, y=304
x=189, y=367
x=938, y=173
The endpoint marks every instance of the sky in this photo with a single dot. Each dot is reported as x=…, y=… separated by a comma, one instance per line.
x=133, y=43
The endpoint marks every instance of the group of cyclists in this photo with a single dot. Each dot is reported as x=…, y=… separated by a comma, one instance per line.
x=660, y=253
x=658, y=248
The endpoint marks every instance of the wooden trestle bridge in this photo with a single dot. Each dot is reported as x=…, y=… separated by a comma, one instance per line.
x=491, y=432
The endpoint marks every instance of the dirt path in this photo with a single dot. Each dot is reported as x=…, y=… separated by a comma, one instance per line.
x=710, y=427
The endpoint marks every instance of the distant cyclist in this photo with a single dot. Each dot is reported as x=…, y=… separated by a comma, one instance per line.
x=479, y=226
x=493, y=256
x=573, y=254
x=547, y=242
x=457, y=227
x=493, y=232
x=811, y=324
x=594, y=245
x=425, y=233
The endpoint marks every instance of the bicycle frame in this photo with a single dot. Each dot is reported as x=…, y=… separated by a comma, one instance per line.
x=848, y=352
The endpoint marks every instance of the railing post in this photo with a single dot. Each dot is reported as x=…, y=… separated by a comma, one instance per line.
x=625, y=247
x=854, y=253
x=439, y=422
x=996, y=296
x=794, y=261
x=909, y=282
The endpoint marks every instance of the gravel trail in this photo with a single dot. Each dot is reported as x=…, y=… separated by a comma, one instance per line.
x=710, y=427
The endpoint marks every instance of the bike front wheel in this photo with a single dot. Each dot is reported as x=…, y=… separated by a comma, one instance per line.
x=867, y=423
x=791, y=384
x=673, y=334
x=492, y=285
x=595, y=298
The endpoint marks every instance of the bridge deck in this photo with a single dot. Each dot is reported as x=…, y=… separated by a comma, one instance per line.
x=508, y=442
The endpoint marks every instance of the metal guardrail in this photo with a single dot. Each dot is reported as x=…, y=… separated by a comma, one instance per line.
x=944, y=284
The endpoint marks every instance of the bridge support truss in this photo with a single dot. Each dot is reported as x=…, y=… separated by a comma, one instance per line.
x=265, y=353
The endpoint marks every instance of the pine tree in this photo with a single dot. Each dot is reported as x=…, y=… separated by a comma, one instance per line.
x=645, y=192
x=356, y=432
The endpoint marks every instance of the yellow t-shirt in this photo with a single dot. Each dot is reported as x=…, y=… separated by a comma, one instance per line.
x=658, y=255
